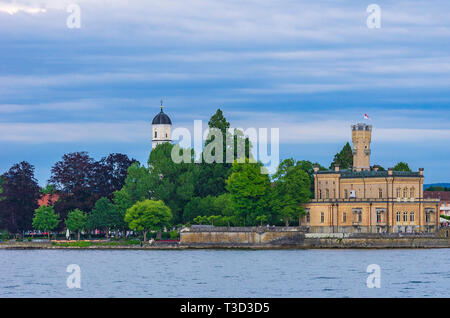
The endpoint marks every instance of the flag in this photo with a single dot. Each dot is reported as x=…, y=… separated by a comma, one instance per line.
x=366, y=116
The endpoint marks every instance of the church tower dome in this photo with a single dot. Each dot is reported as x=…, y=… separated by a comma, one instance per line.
x=161, y=128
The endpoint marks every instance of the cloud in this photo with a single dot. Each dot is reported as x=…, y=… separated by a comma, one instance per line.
x=13, y=8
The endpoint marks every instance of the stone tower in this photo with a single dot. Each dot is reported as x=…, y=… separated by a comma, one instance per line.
x=361, y=137
x=161, y=128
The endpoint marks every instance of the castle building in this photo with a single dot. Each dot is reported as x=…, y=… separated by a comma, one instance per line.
x=161, y=128
x=367, y=200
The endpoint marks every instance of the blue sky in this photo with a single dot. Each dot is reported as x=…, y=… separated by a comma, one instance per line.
x=310, y=68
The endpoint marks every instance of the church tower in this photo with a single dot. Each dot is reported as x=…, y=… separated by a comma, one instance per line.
x=161, y=128
x=361, y=138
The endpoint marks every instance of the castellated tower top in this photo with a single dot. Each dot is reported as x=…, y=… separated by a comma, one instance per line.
x=361, y=138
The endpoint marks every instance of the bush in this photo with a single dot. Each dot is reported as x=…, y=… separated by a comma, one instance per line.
x=173, y=235
x=29, y=239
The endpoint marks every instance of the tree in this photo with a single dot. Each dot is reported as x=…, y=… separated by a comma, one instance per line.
x=308, y=167
x=76, y=221
x=148, y=215
x=249, y=190
x=292, y=187
x=212, y=176
x=81, y=180
x=344, y=158
x=402, y=166
x=49, y=189
x=174, y=183
x=105, y=216
x=45, y=219
x=20, y=196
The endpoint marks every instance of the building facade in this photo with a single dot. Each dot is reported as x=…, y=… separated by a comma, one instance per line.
x=364, y=199
x=444, y=197
x=161, y=129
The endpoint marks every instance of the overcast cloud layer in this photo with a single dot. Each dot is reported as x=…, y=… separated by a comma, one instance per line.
x=310, y=68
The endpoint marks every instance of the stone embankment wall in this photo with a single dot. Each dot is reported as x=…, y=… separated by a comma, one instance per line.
x=296, y=238
x=238, y=235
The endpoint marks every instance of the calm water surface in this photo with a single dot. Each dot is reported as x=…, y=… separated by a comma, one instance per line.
x=225, y=273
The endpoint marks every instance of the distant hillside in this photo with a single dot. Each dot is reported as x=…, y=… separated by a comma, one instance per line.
x=445, y=185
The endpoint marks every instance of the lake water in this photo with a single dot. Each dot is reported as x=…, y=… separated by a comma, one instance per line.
x=225, y=273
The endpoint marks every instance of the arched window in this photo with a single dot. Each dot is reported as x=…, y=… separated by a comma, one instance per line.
x=405, y=192
x=156, y=134
x=398, y=192
x=411, y=217
x=412, y=193
x=398, y=217
x=327, y=194
x=405, y=216
x=308, y=217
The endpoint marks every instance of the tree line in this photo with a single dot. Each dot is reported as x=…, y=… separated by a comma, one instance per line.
x=117, y=193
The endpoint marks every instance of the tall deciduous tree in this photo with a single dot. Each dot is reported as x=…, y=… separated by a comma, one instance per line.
x=81, y=180
x=148, y=215
x=20, y=196
x=45, y=219
x=344, y=158
x=292, y=187
x=76, y=221
x=174, y=183
x=249, y=190
x=105, y=216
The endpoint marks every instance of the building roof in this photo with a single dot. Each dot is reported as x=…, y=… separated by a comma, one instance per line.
x=161, y=119
x=48, y=199
x=347, y=173
x=443, y=195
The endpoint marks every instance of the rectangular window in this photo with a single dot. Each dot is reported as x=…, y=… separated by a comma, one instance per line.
x=398, y=192
x=156, y=134
x=327, y=194
x=427, y=216
x=380, y=193
x=359, y=216
x=411, y=216
x=344, y=217
x=322, y=217
x=308, y=217
x=398, y=217
x=412, y=193
x=405, y=216
x=378, y=217
x=346, y=193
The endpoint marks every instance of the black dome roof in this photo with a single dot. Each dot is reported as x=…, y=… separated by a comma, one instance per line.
x=161, y=119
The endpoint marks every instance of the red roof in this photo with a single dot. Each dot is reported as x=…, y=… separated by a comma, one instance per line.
x=443, y=195
x=48, y=199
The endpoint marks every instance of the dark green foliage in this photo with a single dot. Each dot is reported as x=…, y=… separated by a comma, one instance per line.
x=344, y=158
x=291, y=188
x=402, y=166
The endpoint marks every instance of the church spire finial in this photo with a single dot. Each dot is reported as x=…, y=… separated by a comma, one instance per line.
x=161, y=105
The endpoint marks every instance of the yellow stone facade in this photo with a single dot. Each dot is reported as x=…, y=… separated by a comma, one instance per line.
x=364, y=199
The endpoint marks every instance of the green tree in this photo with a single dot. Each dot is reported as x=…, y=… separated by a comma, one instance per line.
x=292, y=188
x=49, y=189
x=344, y=158
x=308, y=167
x=249, y=190
x=148, y=215
x=45, y=219
x=402, y=166
x=105, y=216
x=174, y=183
x=76, y=220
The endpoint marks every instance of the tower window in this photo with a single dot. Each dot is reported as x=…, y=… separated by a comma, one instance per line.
x=156, y=134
